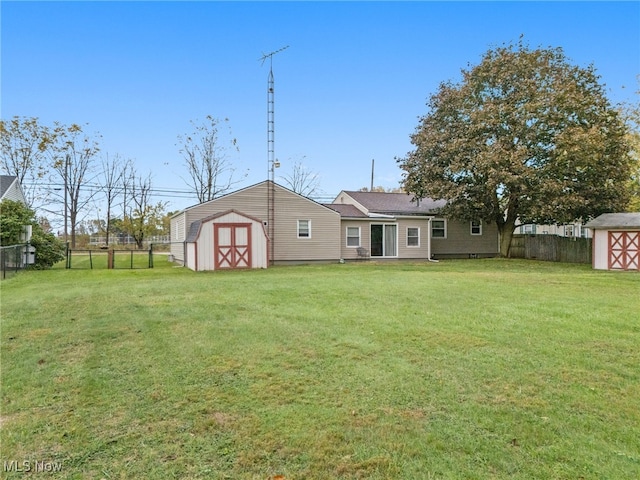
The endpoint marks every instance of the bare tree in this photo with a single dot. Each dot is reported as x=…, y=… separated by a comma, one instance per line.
x=210, y=169
x=143, y=218
x=73, y=159
x=113, y=184
x=24, y=143
x=302, y=181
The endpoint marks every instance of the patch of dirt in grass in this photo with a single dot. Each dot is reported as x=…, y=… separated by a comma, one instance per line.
x=4, y=419
x=352, y=468
x=37, y=333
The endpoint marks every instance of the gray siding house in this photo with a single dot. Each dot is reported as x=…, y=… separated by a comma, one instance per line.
x=394, y=225
x=356, y=225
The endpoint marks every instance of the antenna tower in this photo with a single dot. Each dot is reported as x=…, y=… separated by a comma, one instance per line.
x=272, y=163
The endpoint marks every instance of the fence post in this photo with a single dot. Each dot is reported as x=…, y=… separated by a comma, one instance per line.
x=110, y=255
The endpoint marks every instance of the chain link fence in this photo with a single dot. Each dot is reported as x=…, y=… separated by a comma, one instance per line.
x=13, y=258
x=103, y=259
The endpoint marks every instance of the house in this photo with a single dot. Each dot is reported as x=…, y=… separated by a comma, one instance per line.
x=10, y=189
x=574, y=230
x=395, y=225
x=301, y=230
x=269, y=224
x=616, y=241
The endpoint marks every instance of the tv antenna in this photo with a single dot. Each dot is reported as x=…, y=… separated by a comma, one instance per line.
x=271, y=126
x=272, y=163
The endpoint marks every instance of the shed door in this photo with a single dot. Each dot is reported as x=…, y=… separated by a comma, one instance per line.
x=232, y=245
x=624, y=250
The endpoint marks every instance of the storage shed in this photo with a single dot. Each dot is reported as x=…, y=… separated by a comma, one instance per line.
x=227, y=240
x=616, y=241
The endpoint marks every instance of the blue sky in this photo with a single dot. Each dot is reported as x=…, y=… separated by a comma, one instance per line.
x=349, y=89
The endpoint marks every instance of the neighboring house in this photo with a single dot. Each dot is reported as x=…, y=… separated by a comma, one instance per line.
x=10, y=189
x=225, y=232
x=394, y=225
x=576, y=229
x=616, y=241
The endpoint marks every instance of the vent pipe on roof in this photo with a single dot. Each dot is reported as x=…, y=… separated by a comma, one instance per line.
x=373, y=162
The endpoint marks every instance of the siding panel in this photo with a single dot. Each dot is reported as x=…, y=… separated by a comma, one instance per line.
x=460, y=242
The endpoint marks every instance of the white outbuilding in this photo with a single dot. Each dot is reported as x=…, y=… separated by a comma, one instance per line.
x=616, y=241
x=225, y=240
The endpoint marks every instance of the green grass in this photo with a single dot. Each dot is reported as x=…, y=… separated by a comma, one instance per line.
x=475, y=369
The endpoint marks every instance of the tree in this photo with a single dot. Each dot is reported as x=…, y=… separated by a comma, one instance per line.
x=24, y=143
x=144, y=218
x=73, y=156
x=14, y=216
x=380, y=188
x=525, y=136
x=302, y=181
x=114, y=171
x=631, y=115
x=211, y=171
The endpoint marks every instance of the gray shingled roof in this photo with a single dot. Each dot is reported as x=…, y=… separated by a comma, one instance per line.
x=194, y=228
x=615, y=220
x=346, y=210
x=395, y=203
x=5, y=183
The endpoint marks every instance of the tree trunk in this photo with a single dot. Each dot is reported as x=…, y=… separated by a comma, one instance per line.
x=506, y=233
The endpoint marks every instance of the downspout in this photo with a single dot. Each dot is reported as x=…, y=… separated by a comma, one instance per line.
x=429, y=241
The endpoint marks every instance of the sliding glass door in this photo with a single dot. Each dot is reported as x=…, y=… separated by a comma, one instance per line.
x=384, y=240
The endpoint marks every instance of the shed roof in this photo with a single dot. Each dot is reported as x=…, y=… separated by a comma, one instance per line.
x=615, y=220
x=194, y=228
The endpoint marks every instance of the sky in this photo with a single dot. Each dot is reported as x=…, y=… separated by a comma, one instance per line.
x=349, y=89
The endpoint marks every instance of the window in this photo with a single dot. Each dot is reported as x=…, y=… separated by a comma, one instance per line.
x=568, y=231
x=413, y=237
x=353, y=236
x=438, y=229
x=304, y=228
x=476, y=227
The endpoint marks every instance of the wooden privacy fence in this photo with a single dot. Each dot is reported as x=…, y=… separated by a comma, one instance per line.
x=551, y=248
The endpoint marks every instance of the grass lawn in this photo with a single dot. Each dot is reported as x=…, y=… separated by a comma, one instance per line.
x=479, y=369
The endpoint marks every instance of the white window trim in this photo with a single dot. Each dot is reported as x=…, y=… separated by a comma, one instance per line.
x=413, y=246
x=471, y=228
x=347, y=238
x=444, y=220
x=384, y=243
x=309, y=227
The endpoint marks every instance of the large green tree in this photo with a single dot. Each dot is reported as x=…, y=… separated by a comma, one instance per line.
x=631, y=113
x=524, y=136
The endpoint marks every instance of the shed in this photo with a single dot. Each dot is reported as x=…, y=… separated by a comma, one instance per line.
x=227, y=240
x=616, y=241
